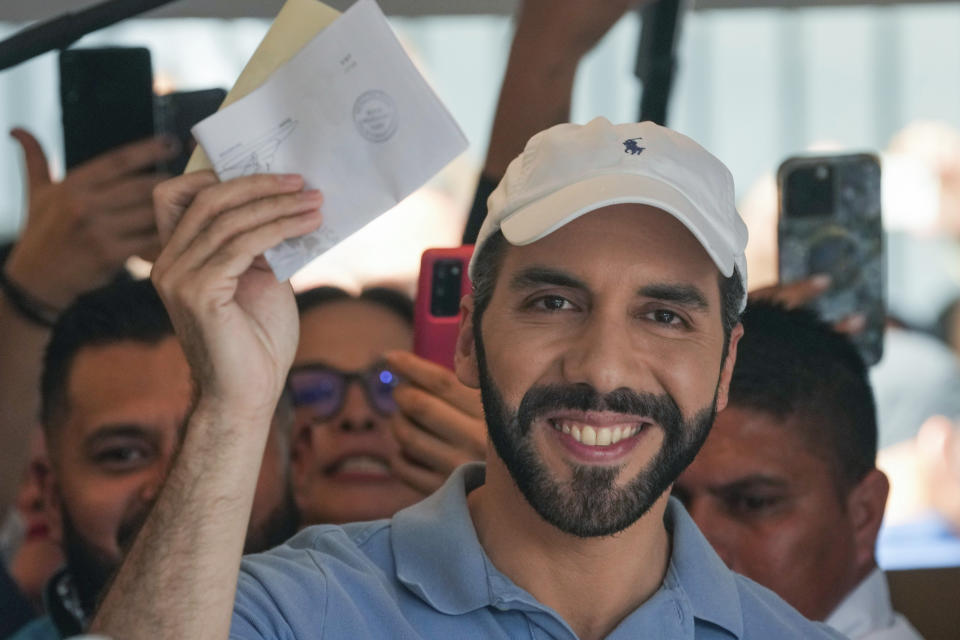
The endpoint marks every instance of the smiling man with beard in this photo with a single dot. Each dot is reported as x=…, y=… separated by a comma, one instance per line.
x=602, y=332
x=115, y=392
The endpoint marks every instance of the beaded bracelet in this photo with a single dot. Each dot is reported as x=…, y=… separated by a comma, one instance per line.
x=26, y=305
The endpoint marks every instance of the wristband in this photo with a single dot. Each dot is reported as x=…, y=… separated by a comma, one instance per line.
x=26, y=305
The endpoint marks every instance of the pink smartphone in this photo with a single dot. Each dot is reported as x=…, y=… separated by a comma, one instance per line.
x=443, y=282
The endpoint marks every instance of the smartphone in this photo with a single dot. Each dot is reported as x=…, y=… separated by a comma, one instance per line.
x=176, y=113
x=106, y=95
x=436, y=320
x=830, y=223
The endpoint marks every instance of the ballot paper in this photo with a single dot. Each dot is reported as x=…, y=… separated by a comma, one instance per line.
x=296, y=24
x=349, y=112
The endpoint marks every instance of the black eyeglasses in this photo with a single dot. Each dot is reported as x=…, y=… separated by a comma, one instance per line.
x=323, y=388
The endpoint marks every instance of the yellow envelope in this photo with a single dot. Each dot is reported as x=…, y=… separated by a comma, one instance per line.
x=296, y=25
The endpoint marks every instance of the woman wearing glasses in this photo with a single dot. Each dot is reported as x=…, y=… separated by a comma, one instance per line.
x=377, y=428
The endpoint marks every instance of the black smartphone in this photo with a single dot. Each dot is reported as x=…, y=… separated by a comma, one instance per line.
x=106, y=95
x=176, y=113
x=830, y=223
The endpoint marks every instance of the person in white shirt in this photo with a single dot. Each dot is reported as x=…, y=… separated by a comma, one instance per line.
x=786, y=487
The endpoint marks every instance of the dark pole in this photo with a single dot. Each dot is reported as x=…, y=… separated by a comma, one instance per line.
x=62, y=31
x=657, y=57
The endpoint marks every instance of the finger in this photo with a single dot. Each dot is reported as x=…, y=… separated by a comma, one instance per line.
x=435, y=379
x=235, y=222
x=851, y=325
x=422, y=446
x=130, y=191
x=208, y=203
x=794, y=294
x=234, y=258
x=441, y=419
x=123, y=161
x=414, y=475
x=34, y=159
x=172, y=197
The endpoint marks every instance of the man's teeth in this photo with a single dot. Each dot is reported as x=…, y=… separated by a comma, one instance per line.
x=594, y=436
x=364, y=464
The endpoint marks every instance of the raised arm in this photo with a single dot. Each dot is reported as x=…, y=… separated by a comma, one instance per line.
x=239, y=330
x=551, y=38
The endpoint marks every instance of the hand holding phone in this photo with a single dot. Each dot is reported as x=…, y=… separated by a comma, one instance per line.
x=439, y=423
x=80, y=231
x=830, y=224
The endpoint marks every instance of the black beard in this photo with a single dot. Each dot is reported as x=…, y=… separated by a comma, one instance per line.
x=590, y=504
x=279, y=526
x=90, y=568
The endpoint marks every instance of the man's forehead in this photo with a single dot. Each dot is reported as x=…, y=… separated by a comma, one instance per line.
x=747, y=441
x=128, y=382
x=130, y=363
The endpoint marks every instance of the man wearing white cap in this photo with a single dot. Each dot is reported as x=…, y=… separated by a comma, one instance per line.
x=602, y=332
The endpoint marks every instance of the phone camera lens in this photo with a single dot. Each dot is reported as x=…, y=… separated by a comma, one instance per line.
x=821, y=172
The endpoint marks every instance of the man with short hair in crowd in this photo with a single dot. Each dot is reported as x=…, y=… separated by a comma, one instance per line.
x=602, y=332
x=785, y=487
x=116, y=390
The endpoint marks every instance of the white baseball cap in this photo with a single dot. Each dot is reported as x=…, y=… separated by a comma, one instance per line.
x=569, y=170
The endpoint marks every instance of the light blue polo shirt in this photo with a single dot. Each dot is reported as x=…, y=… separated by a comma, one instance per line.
x=423, y=574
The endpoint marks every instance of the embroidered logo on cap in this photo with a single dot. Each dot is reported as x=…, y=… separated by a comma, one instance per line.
x=631, y=147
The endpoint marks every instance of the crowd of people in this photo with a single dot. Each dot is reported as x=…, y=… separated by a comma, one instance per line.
x=630, y=445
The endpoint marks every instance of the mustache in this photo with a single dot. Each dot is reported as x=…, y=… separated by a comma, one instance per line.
x=543, y=399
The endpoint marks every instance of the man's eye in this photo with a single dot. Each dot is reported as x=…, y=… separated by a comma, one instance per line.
x=121, y=457
x=752, y=504
x=667, y=317
x=552, y=303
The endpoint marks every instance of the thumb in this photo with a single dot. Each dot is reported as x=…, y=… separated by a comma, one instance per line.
x=38, y=171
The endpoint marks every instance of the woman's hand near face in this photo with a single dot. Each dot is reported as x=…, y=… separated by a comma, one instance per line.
x=439, y=422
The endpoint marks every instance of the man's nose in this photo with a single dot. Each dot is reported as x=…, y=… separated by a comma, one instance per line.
x=600, y=354
x=150, y=488
x=357, y=415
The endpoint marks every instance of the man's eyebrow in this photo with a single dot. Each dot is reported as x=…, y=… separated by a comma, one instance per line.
x=754, y=481
x=685, y=295
x=121, y=430
x=539, y=276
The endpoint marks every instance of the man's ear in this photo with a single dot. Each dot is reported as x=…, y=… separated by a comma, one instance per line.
x=465, y=357
x=726, y=371
x=865, y=505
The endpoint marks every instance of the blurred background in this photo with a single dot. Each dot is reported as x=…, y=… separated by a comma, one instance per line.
x=757, y=81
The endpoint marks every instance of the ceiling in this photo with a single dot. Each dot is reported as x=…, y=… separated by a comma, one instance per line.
x=29, y=10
